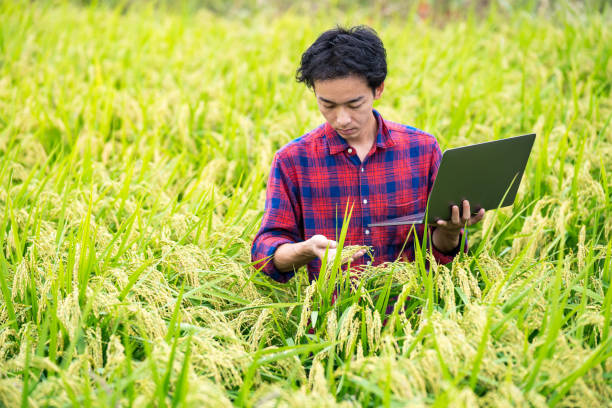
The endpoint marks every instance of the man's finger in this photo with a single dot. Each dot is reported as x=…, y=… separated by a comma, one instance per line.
x=331, y=254
x=358, y=255
x=479, y=216
x=455, y=215
x=353, y=257
x=320, y=253
x=465, y=216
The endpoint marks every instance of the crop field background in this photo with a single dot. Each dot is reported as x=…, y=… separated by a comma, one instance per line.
x=135, y=145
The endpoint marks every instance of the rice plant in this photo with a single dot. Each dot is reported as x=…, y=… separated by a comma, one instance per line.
x=135, y=142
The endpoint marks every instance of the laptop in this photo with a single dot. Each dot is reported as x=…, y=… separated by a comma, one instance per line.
x=487, y=174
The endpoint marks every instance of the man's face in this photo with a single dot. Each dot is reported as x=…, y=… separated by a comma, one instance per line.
x=346, y=103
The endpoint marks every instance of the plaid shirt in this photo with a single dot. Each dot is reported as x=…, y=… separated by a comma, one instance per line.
x=314, y=177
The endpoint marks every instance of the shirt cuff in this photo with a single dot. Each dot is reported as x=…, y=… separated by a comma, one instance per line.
x=265, y=264
x=446, y=257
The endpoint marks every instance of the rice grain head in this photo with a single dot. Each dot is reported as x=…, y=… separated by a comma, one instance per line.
x=347, y=323
x=306, y=307
x=332, y=325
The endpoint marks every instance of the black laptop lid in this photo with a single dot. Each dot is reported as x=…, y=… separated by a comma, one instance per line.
x=480, y=173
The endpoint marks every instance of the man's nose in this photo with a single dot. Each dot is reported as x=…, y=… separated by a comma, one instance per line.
x=343, y=118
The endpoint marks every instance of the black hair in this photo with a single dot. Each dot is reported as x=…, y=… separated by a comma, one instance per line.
x=341, y=52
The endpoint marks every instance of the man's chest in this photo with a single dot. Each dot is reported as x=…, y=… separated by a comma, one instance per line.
x=387, y=184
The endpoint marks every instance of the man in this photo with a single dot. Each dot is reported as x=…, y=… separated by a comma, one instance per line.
x=382, y=169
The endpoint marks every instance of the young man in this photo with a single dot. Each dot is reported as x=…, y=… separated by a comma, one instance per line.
x=382, y=169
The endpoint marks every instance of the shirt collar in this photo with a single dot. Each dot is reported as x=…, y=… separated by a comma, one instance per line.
x=337, y=143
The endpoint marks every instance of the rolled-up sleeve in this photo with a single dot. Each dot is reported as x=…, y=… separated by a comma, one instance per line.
x=282, y=221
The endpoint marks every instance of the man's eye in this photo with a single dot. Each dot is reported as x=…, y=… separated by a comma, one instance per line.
x=354, y=106
x=328, y=106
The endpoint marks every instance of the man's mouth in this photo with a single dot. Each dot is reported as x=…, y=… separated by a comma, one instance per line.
x=347, y=131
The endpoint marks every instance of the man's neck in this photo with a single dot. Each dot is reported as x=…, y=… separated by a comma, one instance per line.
x=364, y=144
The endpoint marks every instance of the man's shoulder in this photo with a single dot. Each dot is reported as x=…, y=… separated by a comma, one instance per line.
x=402, y=133
x=307, y=143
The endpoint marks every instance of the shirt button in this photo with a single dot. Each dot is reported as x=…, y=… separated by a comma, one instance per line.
x=365, y=200
x=362, y=169
x=367, y=232
x=350, y=150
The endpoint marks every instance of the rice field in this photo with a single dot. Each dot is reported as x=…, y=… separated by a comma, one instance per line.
x=135, y=145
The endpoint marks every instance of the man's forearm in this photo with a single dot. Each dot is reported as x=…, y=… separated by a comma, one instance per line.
x=293, y=256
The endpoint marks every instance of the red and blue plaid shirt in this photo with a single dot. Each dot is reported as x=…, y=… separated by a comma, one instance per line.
x=314, y=177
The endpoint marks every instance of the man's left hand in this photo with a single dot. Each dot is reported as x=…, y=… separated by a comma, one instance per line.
x=447, y=233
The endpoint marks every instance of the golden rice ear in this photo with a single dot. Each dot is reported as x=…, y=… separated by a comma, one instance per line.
x=259, y=329
x=316, y=379
x=306, y=308
x=332, y=325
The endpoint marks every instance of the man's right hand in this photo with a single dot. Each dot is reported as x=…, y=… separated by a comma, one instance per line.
x=292, y=256
x=320, y=244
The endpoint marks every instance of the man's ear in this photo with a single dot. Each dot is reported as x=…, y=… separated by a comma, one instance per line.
x=379, y=90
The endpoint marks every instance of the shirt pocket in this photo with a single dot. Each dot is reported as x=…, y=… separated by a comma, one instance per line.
x=400, y=206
